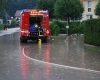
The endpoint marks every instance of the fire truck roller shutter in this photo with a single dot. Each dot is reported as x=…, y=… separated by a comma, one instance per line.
x=35, y=19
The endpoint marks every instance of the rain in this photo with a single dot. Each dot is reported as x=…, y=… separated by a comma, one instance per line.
x=55, y=60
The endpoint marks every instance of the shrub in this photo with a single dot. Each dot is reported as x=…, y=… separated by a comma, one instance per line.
x=8, y=25
x=74, y=27
x=81, y=28
x=2, y=26
x=55, y=29
x=13, y=23
x=92, y=32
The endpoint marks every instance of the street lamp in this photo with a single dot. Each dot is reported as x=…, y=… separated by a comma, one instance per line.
x=67, y=29
x=67, y=26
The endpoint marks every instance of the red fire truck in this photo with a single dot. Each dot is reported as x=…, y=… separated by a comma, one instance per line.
x=29, y=31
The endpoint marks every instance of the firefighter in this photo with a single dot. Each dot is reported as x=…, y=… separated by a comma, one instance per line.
x=36, y=26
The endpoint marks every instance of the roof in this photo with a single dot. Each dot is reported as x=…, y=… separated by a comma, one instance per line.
x=1, y=19
x=18, y=12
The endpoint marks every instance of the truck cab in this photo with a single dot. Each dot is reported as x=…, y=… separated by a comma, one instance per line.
x=34, y=25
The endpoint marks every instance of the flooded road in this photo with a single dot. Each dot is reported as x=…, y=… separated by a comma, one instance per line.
x=55, y=60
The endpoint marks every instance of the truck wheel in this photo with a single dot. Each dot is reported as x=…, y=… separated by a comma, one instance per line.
x=44, y=40
x=23, y=40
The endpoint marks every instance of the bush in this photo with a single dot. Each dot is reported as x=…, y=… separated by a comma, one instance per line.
x=74, y=27
x=92, y=32
x=8, y=25
x=13, y=23
x=2, y=26
x=55, y=29
x=57, y=24
x=81, y=28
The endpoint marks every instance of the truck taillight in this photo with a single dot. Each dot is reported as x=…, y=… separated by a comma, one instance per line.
x=47, y=31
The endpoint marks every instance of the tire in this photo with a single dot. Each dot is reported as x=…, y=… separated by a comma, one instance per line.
x=44, y=40
x=23, y=40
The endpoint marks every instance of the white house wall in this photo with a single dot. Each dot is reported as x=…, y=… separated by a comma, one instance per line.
x=93, y=5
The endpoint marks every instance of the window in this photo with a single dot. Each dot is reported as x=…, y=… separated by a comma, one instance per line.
x=89, y=9
x=89, y=6
x=7, y=22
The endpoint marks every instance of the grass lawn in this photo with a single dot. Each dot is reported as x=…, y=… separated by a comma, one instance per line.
x=94, y=48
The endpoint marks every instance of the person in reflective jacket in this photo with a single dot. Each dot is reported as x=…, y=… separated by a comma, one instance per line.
x=36, y=26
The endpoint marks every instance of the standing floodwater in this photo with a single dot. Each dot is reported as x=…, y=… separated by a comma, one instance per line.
x=55, y=60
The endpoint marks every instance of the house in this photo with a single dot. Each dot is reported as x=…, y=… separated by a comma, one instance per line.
x=89, y=7
x=18, y=13
x=1, y=21
x=9, y=21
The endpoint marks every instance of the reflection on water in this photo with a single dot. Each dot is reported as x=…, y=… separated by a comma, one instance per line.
x=92, y=59
x=55, y=60
x=25, y=63
x=70, y=53
x=35, y=52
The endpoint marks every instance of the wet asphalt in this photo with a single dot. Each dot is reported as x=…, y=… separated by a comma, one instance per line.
x=55, y=60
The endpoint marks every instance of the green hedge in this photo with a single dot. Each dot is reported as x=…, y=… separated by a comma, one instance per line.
x=57, y=26
x=74, y=27
x=13, y=23
x=92, y=32
x=2, y=26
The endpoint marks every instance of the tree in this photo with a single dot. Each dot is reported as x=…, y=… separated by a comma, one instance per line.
x=50, y=7
x=13, y=5
x=41, y=4
x=68, y=9
x=2, y=5
x=46, y=5
x=97, y=9
x=26, y=4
